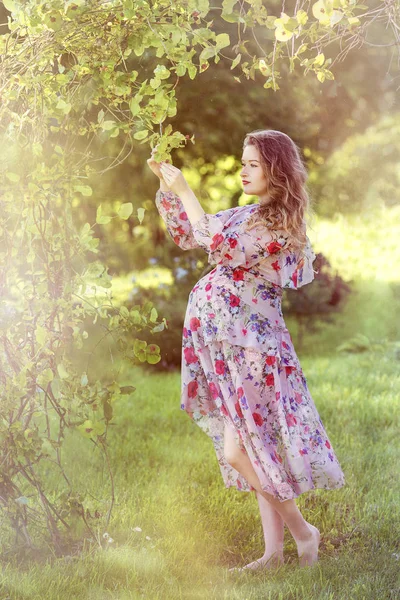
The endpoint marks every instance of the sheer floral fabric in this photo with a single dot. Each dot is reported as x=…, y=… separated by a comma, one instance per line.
x=239, y=365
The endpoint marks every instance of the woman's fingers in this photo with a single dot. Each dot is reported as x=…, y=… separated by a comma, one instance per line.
x=169, y=167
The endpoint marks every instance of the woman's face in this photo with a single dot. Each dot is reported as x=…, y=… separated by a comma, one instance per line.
x=252, y=175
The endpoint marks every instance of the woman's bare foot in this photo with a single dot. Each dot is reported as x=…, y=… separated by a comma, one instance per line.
x=268, y=561
x=308, y=549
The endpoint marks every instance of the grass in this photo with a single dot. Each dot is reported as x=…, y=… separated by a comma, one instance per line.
x=193, y=529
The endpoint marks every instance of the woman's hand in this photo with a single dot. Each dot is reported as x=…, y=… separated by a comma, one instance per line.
x=155, y=166
x=174, y=178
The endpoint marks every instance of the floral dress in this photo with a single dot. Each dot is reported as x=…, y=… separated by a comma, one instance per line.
x=239, y=366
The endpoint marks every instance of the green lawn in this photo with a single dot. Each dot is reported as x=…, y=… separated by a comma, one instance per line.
x=193, y=529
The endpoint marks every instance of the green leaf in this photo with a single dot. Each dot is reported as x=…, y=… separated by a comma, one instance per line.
x=180, y=69
x=140, y=214
x=125, y=210
x=236, y=61
x=108, y=125
x=63, y=106
x=141, y=135
x=85, y=190
x=319, y=59
x=192, y=70
x=14, y=177
x=264, y=68
x=45, y=377
x=207, y=53
x=124, y=311
x=10, y=5
x=222, y=40
x=231, y=18
x=155, y=83
x=134, y=107
x=227, y=6
x=161, y=72
x=41, y=335
x=100, y=218
x=203, y=6
x=62, y=371
x=153, y=354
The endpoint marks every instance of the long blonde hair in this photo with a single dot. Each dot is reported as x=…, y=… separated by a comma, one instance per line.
x=286, y=186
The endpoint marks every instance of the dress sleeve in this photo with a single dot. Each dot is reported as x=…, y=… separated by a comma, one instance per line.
x=173, y=213
x=230, y=246
x=296, y=270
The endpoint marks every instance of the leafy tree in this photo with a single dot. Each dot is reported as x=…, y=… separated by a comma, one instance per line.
x=71, y=80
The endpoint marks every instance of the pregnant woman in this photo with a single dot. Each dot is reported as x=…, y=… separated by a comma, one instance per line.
x=242, y=382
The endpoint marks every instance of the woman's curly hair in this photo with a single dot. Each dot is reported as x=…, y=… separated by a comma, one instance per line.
x=286, y=186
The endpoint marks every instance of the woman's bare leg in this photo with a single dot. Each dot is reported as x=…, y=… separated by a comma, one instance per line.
x=305, y=535
x=273, y=528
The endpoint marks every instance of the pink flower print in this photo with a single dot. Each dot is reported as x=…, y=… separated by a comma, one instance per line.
x=239, y=392
x=185, y=332
x=213, y=389
x=238, y=410
x=273, y=247
x=232, y=242
x=192, y=389
x=270, y=360
x=294, y=278
x=303, y=451
x=244, y=331
x=219, y=367
x=275, y=266
x=270, y=379
x=234, y=300
x=217, y=239
x=208, y=286
x=298, y=397
x=327, y=444
x=183, y=216
x=291, y=420
x=223, y=408
x=238, y=275
x=194, y=323
x=257, y=419
x=190, y=356
x=167, y=205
